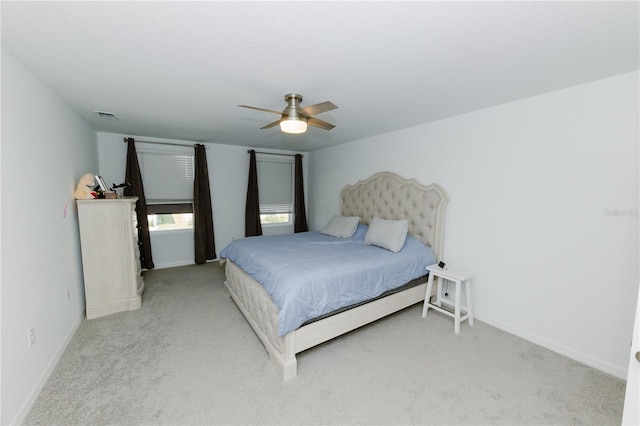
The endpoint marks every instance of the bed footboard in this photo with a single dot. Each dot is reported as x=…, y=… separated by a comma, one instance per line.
x=256, y=305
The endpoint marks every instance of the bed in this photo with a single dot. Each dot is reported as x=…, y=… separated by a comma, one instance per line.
x=384, y=195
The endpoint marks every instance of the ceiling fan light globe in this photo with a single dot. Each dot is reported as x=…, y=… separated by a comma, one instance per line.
x=293, y=126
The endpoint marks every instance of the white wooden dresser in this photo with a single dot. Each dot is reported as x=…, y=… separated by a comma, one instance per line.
x=110, y=255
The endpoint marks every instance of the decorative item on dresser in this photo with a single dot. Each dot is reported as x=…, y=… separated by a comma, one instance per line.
x=110, y=255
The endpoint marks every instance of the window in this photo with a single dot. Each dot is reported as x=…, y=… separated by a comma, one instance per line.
x=167, y=174
x=166, y=217
x=275, y=185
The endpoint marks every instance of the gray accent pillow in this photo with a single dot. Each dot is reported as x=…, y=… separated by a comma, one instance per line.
x=341, y=226
x=388, y=234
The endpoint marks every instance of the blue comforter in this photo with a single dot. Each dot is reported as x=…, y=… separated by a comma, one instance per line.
x=310, y=274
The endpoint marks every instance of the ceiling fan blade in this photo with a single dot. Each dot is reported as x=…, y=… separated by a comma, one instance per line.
x=270, y=125
x=316, y=122
x=261, y=109
x=318, y=108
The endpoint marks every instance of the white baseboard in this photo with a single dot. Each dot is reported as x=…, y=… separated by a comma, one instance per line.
x=172, y=265
x=581, y=357
x=33, y=395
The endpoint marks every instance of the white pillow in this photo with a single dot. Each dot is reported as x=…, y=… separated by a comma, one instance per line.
x=341, y=226
x=388, y=234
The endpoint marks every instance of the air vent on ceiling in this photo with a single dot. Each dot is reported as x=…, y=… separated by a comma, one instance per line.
x=106, y=115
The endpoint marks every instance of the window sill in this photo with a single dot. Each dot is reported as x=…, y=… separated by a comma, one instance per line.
x=275, y=225
x=171, y=231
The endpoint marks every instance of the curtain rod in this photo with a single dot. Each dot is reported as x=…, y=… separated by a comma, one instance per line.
x=274, y=153
x=162, y=143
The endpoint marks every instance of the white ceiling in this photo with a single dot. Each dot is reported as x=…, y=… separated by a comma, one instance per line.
x=179, y=69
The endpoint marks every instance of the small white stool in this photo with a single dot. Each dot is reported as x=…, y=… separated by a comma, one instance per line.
x=458, y=277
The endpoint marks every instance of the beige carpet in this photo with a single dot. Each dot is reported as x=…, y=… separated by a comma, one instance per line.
x=189, y=357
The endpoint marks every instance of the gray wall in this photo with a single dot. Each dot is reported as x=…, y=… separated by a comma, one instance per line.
x=534, y=186
x=45, y=149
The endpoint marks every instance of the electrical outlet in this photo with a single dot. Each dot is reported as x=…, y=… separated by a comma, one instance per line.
x=68, y=293
x=32, y=336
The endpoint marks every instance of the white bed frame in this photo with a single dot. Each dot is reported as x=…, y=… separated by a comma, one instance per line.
x=385, y=195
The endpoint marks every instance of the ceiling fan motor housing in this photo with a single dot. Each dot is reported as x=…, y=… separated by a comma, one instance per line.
x=293, y=110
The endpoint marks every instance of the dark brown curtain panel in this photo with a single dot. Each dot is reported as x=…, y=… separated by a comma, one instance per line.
x=252, y=226
x=205, y=248
x=133, y=176
x=299, y=212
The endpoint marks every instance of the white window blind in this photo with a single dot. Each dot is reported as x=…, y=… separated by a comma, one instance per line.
x=275, y=185
x=167, y=174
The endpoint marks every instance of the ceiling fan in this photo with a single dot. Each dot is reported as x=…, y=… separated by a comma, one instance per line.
x=294, y=118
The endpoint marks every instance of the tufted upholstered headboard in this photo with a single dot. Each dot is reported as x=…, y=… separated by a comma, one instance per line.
x=389, y=196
